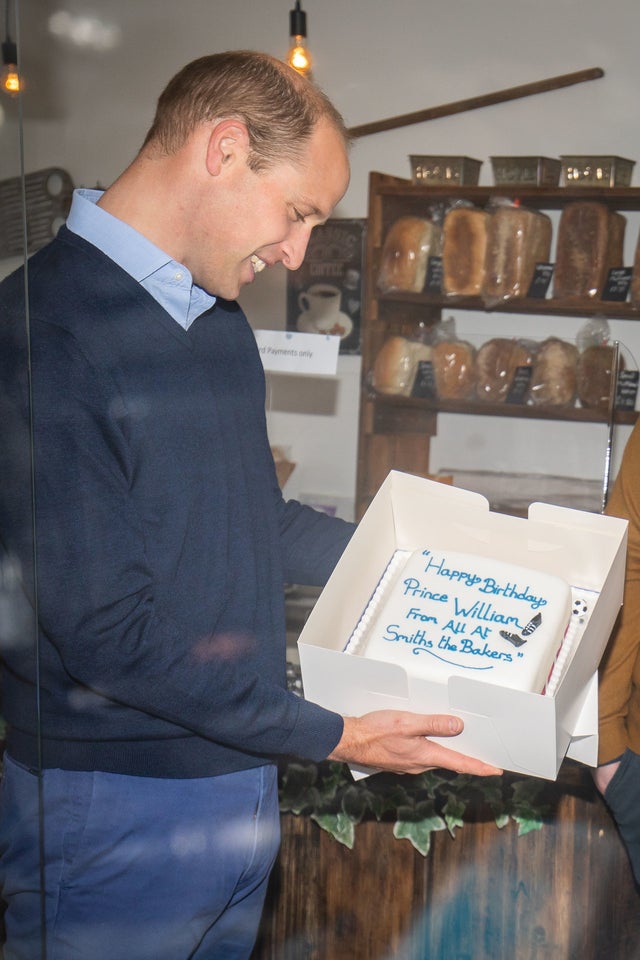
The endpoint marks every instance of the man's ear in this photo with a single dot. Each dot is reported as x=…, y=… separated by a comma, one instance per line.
x=228, y=143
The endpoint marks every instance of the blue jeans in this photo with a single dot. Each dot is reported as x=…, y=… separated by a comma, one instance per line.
x=622, y=796
x=136, y=868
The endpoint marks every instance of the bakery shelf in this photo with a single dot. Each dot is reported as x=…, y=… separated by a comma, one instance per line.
x=612, y=309
x=402, y=195
x=387, y=407
x=395, y=432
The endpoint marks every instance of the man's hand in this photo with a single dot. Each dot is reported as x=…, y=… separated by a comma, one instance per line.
x=396, y=741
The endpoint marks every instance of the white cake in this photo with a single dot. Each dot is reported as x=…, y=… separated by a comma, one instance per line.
x=439, y=614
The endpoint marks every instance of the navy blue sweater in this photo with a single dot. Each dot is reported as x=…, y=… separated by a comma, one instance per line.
x=162, y=539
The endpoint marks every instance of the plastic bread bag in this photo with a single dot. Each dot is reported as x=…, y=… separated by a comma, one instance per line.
x=590, y=242
x=596, y=376
x=518, y=238
x=404, y=258
x=554, y=380
x=396, y=364
x=453, y=362
x=464, y=247
x=498, y=362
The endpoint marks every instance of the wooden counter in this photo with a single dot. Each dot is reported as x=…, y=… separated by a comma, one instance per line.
x=564, y=892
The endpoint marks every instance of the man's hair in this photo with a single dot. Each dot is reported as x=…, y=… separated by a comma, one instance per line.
x=279, y=107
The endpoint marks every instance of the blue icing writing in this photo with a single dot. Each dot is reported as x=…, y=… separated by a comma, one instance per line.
x=460, y=576
x=479, y=610
x=415, y=613
x=419, y=638
x=511, y=590
x=414, y=588
x=466, y=647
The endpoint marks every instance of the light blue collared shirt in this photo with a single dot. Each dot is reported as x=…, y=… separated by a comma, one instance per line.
x=168, y=282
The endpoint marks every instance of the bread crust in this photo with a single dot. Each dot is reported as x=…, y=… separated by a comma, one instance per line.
x=595, y=376
x=405, y=254
x=496, y=363
x=554, y=378
x=454, y=369
x=590, y=242
x=518, y=239
x=464, y=248
x=396, y=365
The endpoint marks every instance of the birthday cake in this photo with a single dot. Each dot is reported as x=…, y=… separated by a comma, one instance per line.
x=438, y=614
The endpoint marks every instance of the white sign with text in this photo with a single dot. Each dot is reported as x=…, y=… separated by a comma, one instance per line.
x=283, y=351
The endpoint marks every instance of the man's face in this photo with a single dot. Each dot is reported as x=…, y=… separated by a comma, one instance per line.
x=266, y=218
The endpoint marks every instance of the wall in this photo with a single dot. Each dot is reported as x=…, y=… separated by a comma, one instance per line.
x=90, y=104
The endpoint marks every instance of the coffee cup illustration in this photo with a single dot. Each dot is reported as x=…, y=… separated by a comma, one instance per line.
x=320, y=305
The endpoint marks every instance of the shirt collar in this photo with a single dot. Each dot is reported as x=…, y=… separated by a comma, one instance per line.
x=168, y=282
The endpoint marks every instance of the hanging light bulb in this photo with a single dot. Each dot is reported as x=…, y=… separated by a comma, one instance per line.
x=10, y=78
x=298, y=57
x=10, y=81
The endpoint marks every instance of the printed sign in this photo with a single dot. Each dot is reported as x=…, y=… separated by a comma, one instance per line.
x=282, y=351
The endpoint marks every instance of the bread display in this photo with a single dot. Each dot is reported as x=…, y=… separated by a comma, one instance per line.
x=554, y=373
x=595, y=378
x=464, y=247
x=405, y=254
x=454, y=369
x=396, y=365
x=517, y=239
x=590, y=242
x=496, y=363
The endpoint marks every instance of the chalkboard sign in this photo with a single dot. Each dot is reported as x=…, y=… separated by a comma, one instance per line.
x=541, y=280
x=424, y=385
x=520, y=385
x=434, y=275
x=627, y=390
x=618, y=283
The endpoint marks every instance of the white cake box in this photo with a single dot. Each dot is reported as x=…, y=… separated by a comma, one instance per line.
x=522, y=732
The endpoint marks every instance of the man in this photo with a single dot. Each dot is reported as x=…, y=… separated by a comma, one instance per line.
x=618, y=774
x=163, y=542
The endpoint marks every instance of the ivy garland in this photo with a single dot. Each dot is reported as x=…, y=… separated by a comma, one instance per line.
x=418, y=805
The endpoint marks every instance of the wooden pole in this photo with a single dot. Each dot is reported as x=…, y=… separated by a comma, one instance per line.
x=475, y=103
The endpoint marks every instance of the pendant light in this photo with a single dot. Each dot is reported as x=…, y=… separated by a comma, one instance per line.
x=10, y=81
x=298, y=57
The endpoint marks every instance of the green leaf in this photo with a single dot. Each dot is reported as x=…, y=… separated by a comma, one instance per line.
x=339, y=825
x=355, y=803
x=526, y=825
x=453, y=812
x=297, y=791
x=417, y=830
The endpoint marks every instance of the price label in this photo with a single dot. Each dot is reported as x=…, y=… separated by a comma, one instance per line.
x=424, y=385
x=618, y=283
x=541, y=280
x=519, y=385
x=627, y=390
x=434, y=275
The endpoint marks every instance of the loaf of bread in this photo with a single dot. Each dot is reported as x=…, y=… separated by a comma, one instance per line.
x=405, y=254
x=518, y=238
x=454, y=369
x=496, y=363
x=464, y=248
x=595, y=379
x=554, y=374
x=590, y=242
x=396, y=365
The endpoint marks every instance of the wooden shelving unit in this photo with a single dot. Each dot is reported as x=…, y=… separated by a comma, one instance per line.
x=395, y=431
